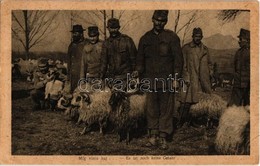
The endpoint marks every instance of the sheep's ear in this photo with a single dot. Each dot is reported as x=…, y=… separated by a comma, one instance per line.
x=85, y=96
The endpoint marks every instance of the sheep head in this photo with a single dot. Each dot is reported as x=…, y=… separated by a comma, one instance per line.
x=119, y=101
x=80, y=98
x=65, y=101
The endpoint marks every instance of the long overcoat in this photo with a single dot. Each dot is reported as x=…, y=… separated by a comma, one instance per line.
x=196, y=69
x=75, y=51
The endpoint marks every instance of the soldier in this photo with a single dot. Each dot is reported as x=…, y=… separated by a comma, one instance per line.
x=40, y=76
x=91, y=58
x=241, y=88
x=118, y=54
x=197, y=70
x=159, y=55
x=75, y=51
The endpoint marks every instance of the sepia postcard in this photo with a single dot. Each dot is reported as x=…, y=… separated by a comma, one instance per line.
x=129, y=82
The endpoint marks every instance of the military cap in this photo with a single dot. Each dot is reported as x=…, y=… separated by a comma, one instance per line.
x=161, y=15
x=77, y=28
x=60, y=66
x=197, y=31
x=244, y=34
x=93, y=31
x=51, y=63
x=43, y=64
x=113, y=23
x=67, y=96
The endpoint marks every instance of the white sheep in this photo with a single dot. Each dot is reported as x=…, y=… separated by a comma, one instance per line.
x=127, y=111
x=53, y=90
x=210, y=106
x=64, y=103
x=233, y=136
x=93, y=108
x=26, y=67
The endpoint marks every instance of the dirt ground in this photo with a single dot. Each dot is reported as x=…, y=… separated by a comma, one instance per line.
x=52, y=133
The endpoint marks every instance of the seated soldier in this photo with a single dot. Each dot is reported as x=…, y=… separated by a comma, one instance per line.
x=40, y=80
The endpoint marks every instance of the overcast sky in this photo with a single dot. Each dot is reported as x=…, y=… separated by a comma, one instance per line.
x=135, y=24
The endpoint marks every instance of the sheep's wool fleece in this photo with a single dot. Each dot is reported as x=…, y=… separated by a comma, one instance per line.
x=98, y=108
x=232, y=125
x=137, y=105
x=209, y=104
x=54, y=88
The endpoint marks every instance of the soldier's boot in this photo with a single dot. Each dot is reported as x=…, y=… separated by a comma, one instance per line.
x=184, y=118
x=42, y=104
x=53, y=104
x=153, y=138
x=163, y=143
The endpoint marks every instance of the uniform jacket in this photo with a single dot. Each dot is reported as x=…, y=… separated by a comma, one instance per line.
x=196, y=69
x=118, y=56
x=159, y=56
x=75, y=51
x=39, y=79
x=91, y=60
x=242, y=68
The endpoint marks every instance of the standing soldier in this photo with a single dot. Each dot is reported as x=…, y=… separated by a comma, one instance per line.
x=159, y=56
x=40, y=76
x=241, y=89
x=91, y=58
x=118, y=53
x=197, y=70
x=74, y=56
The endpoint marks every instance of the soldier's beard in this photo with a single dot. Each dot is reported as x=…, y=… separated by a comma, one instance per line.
x=114, y=34
x=93, y=41
x=76, y=39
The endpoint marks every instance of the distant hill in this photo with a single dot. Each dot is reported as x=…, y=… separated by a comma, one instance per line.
x=224, y=59
x=221, y=42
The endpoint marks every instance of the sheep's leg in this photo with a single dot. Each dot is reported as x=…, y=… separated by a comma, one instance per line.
x=102, y=124
x=209, y=124
x=78, y=122
x=127, y=137
x=119, y=136
x=85, y=130
x=100, y=130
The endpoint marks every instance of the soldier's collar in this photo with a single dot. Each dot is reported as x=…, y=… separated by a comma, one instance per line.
x=153, y=32
x=116, y=38
x=77, y=42
x=192, y=44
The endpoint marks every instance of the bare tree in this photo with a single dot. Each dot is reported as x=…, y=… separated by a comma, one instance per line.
x=230, y=15
x=31, y=27
x=100, y=17
x=185, y=27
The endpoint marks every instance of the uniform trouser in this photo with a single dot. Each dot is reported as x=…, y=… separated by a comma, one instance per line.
x=184, y=112
x=159, y=113
x=240, y=97
x=37, y=96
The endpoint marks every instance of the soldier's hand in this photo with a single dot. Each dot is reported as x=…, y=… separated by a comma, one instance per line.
x=135, y=74
x=175, y=84
x=187, y=82
x=45, y=81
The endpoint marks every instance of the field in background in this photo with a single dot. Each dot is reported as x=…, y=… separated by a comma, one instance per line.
x=223, y=58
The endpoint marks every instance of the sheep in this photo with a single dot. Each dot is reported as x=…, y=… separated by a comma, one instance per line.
x=53, y=89
x=210, y=106
x=233, y=133
x=93, y=108
x=25, y=67
x=64, y=103
x=127, y=110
